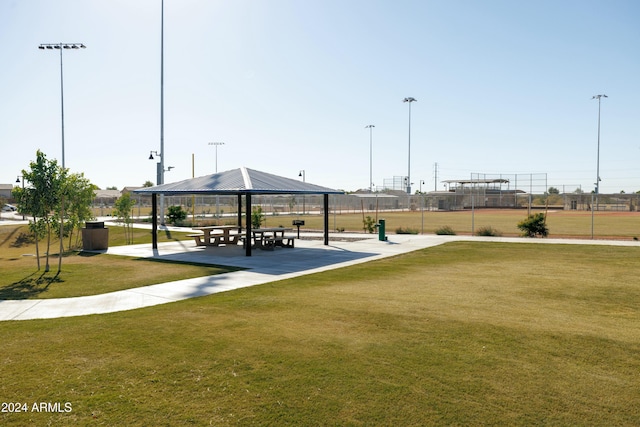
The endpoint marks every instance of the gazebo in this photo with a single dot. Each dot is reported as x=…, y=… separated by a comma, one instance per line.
x=241, y=182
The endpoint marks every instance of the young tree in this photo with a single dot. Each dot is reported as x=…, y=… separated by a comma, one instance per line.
x=80, y=195
x=123, y=207
x=257, y=217
x=43, y=198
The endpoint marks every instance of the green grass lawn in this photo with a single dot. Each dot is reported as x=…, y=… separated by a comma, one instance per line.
x=20, y=278
x=462, y=334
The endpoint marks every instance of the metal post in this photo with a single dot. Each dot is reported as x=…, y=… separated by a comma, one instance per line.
x=326, y=219
x=598, y=97
x=409, y=100
x=162, y=156
x=247, y=239
x=370, y=127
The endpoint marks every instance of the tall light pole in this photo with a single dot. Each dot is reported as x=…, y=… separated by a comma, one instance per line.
x=409, y=100
x=61, y=47
x=162, y=92
x=216, y=144
x=370, y=127
x=598, y=97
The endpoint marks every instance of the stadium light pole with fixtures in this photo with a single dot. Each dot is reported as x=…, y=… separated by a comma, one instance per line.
x=598, y=97
x=409, y=100
x=370, y=127
x=61, y=47
x=216, y=144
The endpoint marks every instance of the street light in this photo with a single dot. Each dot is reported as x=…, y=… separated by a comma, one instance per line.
x=61, y=47
x=304, y=199
x=370, y=127
x=598, y=97
x=409, y=100
x=216, y=144
x=18, y=182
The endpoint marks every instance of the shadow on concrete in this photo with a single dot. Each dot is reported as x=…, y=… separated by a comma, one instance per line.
x=277, y=262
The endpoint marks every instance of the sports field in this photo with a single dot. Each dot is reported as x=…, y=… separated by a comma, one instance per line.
x=561, y=223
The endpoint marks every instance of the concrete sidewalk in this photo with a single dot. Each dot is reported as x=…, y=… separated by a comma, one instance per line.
x=309, y=256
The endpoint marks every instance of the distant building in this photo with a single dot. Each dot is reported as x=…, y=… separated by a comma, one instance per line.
x=478, y=193
x=5, y=191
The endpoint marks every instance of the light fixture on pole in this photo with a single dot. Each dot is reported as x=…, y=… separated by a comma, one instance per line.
x=18, y=182
x=304, y=199
x=409, y=100
x=216, y=144
x=598, y=97
x=61, y=47
x=370, y=127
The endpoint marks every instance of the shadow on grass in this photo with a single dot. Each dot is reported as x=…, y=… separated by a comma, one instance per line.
x=29, y=287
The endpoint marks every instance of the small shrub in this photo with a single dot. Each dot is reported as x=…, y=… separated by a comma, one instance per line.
x=534, y=225
x=369, y=224
x=445, y=231
x=488, y=231
x=401, y=230
x=175, y=215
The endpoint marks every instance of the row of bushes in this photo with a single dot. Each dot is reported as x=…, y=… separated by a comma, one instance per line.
x=533, y=226
x=482, y=231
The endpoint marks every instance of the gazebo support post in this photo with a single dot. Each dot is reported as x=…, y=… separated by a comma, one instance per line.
x=240, y=210
x=326, y=219
x=247, y=236
x=154, y=220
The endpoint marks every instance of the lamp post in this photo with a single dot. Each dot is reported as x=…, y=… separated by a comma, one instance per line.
x=18, y=181
x=304, y=199
x=160, y=170
x=216, y=144
x=409, y=100
x=61, y=47
x=370, y=127
x=598, y=97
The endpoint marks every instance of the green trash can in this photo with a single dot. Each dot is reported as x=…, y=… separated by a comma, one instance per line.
x=381, y=230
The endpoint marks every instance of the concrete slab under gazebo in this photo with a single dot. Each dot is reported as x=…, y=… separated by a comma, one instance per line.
x=241, y=182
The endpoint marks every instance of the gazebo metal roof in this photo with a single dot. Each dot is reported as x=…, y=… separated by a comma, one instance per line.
x=238, y=181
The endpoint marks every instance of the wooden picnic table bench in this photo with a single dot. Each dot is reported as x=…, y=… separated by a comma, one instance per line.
x=269, y=238
x=216, y=235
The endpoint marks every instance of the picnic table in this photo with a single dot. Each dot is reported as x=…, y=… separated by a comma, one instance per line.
x=216, y=235
x=269, y=238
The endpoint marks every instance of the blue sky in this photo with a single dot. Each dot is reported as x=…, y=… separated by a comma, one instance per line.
x=502, y=87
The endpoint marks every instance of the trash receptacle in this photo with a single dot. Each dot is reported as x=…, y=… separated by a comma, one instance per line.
x=381, y=230
x=95, y=236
